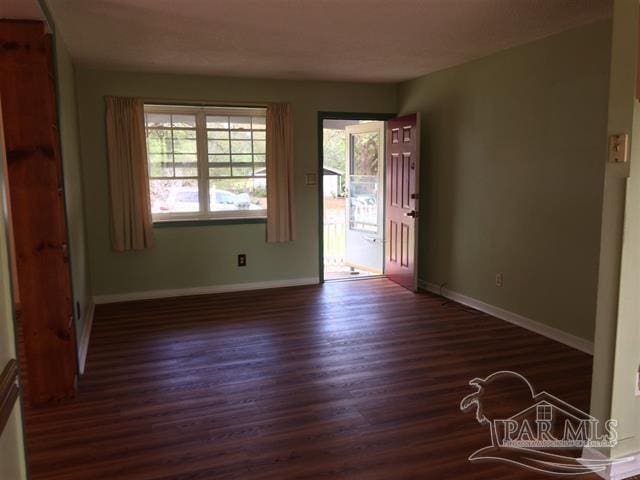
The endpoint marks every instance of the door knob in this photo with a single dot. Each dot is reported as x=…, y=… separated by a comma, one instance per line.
x=412, y=213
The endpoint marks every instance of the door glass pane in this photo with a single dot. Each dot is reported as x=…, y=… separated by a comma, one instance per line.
x=364, y=158
x=364, y=182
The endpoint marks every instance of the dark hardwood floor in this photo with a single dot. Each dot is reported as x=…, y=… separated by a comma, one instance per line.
x=350, y=380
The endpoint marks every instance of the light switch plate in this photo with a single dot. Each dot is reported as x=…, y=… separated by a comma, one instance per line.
x=637, y=384
x=310, y=179
x=619, y=148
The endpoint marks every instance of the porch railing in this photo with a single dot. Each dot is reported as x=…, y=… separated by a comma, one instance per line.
x=334, y=243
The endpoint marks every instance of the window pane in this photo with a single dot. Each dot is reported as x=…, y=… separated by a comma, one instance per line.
x=220, y=171
x=218, y=146
x=241, y=146
x=259, y=123
x=186, y=165
x=219, y=159
x=217, y=122
x=240, y=122
x=218, y=134
x=259, y=146
x=158, y=120
x=185, y=146
x=242, y=171
x=240, y=135
x=173, y=196
x=242, y=159
x=159, y=141
x=184, y=121
x=184, y=134
x=235, y=154
x=237, y=194
x=160, y=165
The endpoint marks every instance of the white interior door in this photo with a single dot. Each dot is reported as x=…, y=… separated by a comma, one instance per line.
x=364, y=236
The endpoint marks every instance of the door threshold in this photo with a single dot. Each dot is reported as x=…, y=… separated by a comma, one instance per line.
x=354, y=278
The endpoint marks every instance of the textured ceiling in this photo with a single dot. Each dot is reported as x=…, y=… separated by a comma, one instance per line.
x=364, y=40
x=20, y=9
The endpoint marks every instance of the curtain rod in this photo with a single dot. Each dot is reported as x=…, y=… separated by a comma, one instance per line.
x=201, y=103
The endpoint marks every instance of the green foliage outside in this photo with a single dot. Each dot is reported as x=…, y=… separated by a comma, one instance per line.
x=334, y=148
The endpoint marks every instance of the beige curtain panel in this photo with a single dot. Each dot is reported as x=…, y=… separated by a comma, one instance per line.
x=131, y=223
x=280, y=213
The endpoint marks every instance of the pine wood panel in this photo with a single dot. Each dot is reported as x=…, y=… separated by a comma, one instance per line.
x=350, y=380
x=37, y=203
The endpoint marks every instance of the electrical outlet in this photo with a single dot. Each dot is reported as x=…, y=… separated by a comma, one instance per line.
x=242, y=260
x=499, y=280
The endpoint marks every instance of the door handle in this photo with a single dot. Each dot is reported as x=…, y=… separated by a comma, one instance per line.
x=412, y=213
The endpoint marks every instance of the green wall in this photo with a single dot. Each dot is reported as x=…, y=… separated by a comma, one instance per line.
x=72, y=165
x=617, y=352
x=202, y=256
x=513, y=150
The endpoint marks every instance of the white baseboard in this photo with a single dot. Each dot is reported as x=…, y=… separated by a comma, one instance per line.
x=181, y=292
x=533, y=325
x=626, y=468
x=83, y=338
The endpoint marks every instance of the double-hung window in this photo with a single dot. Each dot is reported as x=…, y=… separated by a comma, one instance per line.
x=206, y=162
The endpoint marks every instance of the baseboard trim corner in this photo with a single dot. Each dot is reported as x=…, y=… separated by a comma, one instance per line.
x=182, y=292
x=626, y=468
x=83, y=343
x=540, y=328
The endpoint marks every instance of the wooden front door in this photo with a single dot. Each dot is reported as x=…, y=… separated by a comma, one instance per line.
x=402, y=166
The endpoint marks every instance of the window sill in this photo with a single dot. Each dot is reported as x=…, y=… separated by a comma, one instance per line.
x=208, y=222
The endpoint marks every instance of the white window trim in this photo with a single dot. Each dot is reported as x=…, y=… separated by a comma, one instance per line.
x=203, y=162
